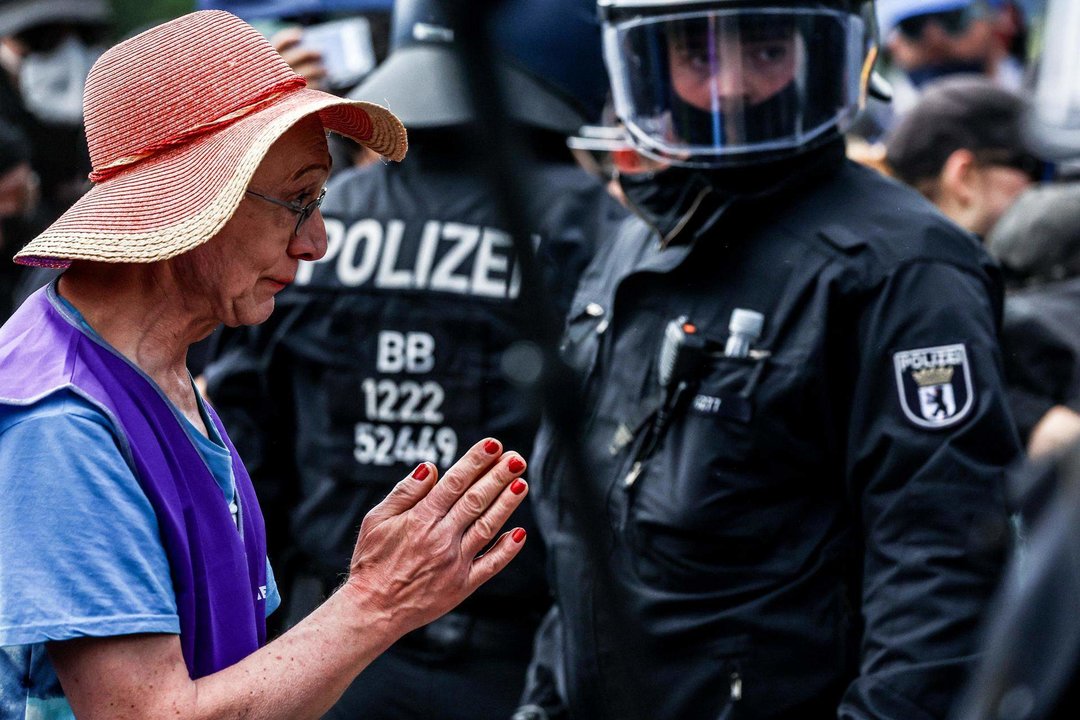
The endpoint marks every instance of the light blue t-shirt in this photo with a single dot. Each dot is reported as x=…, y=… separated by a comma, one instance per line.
x=80, y=549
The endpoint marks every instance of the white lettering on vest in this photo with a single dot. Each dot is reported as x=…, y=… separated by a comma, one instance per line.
x=450, y=257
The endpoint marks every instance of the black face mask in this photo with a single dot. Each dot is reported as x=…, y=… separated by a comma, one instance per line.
x=774, y=118
x=665, y=198
x=924, y=75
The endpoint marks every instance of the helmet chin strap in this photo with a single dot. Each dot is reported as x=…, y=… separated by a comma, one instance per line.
x=666, y=200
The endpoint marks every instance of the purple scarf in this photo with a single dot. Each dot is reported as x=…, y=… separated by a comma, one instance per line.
x=218, y=574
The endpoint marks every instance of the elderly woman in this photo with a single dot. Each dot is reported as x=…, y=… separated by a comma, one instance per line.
x=133, y=574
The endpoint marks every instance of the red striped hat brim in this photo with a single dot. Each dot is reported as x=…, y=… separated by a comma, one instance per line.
x=169, y=203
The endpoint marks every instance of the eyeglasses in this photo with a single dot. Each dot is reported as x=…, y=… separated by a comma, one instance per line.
x=303, y=211
x=1033, y=167
x=953, y=22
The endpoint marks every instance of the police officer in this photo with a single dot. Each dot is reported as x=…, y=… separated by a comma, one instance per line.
x=796, y=423
x=405, y=343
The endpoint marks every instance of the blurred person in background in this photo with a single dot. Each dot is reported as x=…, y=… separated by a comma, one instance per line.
x=18, y=200
x=1037, y=243
x=46, y=50
x=312, y=37
x=961, y=146
x=930, y=39
x=1030, y=665
x=417, y=303
x=926, y=40
x=333, y=44
x=795, y=419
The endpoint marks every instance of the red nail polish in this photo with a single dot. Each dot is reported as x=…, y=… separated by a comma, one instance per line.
x=518, y=535
x=517, y=487
x=421, y=471
x=516, y=465
x=491, y=447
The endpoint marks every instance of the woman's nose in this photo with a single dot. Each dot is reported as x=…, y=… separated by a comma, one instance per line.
x=310, y=243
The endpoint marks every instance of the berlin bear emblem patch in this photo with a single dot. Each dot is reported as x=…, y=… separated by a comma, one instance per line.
x=934, y=385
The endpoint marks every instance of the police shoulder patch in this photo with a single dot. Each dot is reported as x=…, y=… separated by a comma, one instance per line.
x=934, y=385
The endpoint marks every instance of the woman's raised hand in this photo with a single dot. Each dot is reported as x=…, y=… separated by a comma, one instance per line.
x=417, y=554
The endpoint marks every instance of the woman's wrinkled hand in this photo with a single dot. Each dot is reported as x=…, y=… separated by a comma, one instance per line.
x=417, y=555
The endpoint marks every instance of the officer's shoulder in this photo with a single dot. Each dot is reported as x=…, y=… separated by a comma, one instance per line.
x=350, y=185
x=356, y=173
x=882, y=224
x=564, y=188
x=620, y=247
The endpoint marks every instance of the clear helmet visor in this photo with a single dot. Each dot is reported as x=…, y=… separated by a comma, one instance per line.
x=1055, y=118
x=718, y=87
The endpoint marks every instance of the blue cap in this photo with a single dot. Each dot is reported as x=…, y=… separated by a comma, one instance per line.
x=262, y=9
x=891, y=12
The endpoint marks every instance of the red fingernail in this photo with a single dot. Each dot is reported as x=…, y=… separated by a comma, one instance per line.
x=491, y=447
x=518, y=535
x=517, y=487
x=421, y=471
x=516, y=465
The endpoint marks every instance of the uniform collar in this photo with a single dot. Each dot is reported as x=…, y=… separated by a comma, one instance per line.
x=681, y=204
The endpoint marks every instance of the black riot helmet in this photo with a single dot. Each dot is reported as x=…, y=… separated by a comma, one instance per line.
x=549, y=64
x=1054, y=120
x=715, y=83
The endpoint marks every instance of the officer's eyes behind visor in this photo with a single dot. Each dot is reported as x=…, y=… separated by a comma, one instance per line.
x=705, y=42
x=716, y=84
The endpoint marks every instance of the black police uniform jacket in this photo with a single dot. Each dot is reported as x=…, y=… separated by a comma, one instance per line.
x=802, y=534
x=393, y=350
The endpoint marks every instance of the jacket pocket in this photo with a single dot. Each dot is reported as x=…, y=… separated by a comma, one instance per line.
x=708, y=506
x=720, y=410
x=581, y=340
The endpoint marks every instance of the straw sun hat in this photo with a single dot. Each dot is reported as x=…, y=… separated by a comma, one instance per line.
x=177, y=120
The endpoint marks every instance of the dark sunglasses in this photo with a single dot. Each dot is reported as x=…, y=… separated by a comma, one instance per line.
x=45, y=38
x=1026, y=163
x=953, y=22
x=303, y=211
